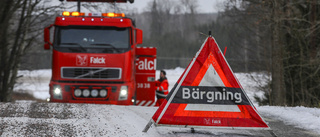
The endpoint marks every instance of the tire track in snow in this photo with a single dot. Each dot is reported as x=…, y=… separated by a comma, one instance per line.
x=46, y=119
x=35, y=119
x=9, y=125
x=109, y=120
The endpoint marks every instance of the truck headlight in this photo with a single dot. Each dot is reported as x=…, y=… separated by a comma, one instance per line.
x=123, y=93
x=94, y=93
x=77, y=92
x=103, y=93
x=86, y=93
x=57, y=92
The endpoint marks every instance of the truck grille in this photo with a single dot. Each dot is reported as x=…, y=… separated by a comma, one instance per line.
x=91, y=73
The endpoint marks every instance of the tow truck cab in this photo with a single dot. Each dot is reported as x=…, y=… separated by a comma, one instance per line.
x=95, y=59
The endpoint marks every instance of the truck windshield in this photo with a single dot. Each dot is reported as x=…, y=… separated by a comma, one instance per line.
x=92, y=39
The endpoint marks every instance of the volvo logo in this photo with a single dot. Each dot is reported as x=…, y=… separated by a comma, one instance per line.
x=91, y=73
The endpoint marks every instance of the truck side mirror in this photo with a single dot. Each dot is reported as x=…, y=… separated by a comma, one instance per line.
x=46, y=37
x=47, y=46
x=139, y=36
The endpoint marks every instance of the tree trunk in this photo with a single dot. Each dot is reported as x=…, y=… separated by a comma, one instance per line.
x=5, y=16
x=278, y=85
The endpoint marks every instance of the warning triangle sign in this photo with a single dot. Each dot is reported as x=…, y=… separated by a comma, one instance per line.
x=208, y=95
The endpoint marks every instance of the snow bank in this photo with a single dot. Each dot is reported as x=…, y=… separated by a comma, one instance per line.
x=302, y=117
x=35, y=82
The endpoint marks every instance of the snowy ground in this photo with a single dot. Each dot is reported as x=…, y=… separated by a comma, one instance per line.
x=57, y=119
x=109, y=120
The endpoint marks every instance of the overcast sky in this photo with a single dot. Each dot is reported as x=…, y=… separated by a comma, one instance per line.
x=205, y=6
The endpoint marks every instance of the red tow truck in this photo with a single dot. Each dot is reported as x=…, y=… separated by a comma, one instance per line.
x=95, y=59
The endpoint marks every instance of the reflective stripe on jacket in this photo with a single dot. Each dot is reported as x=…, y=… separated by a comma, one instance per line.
x=162, y=89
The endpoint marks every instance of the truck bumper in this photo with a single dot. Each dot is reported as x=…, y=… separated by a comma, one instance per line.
x=91, y=93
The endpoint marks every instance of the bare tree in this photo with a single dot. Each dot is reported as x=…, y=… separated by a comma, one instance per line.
x=20, y=20
x=294, y=61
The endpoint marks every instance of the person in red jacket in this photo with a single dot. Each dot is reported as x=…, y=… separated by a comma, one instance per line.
x=161, y=88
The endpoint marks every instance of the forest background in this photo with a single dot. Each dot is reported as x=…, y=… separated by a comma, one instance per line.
x=276, y=37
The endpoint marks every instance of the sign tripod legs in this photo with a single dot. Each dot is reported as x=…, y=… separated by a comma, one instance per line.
x=147, y=126
x=192, y=130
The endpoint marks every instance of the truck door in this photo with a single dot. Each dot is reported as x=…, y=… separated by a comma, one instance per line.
x=145, y=76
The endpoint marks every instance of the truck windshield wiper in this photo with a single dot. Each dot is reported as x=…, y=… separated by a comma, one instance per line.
x=84, y=49
x=105, y=44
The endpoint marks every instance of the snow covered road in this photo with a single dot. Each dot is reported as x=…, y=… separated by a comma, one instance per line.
x=28, y=118
x=54, y=119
